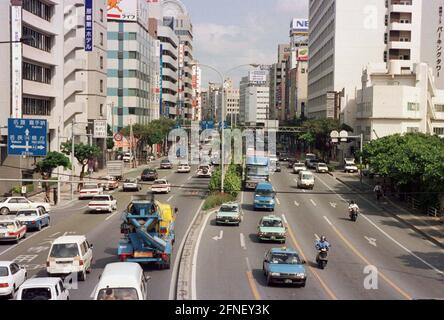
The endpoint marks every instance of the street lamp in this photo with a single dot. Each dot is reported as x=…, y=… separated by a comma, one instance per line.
x=23, y=39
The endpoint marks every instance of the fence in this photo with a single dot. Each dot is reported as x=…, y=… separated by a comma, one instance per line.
x=416, y=204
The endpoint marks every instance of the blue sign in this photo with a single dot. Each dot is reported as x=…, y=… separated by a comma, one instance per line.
x=204, y=125
x=27, y=137
x=89, y=25
x=225, y=125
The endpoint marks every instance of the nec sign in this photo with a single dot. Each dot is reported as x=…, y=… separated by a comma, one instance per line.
x=300, y=25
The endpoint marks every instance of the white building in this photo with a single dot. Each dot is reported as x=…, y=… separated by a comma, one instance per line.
x=254, y=101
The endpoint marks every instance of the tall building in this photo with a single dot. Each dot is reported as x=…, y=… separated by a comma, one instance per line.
x=254, y=99
x=205, y=105
x=277, y=83
x=231, y=97
x=133, y=67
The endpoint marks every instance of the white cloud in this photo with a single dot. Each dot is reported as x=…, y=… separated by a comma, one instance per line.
x=292, y=7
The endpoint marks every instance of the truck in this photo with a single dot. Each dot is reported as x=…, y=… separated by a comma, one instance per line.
x=115, y=169
x=148, y=232
x=256, y=169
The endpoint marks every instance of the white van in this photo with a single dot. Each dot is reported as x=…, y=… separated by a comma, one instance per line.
x=43, y=289
x=70, y=254
x=306, y=180
x=122, y=281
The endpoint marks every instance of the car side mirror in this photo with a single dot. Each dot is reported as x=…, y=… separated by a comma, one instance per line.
x=303, y=261
x=176, y=210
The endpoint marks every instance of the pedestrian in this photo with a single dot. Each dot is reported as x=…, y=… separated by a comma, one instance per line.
x=379, y=191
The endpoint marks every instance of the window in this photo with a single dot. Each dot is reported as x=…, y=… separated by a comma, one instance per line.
x=38, y=8
x=37, y=73
x=439, y=107
x=101, y=62
x=412, y=129
x=14, y=268
x=101, y=85
x=36, y=107
x=101, y=109
x=132, y=36
x=39, y=40
x=101, y=15
x=101, y=38
x=413, y=106
x=438, y=131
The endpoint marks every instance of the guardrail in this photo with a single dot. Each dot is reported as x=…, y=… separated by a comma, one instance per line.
x=416, y=204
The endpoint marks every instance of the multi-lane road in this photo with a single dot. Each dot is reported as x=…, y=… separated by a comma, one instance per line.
x=229, y=259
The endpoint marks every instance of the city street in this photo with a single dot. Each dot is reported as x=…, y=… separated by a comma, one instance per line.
x=409, y=267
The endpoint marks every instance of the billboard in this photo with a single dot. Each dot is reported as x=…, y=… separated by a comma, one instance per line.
x=302, y=54
x=128, y=10
x=299, y=27
x=258, y=76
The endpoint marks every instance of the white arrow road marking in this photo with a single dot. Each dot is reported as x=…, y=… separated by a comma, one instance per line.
x=169, y=199
x=221, y=235
x=53, y=235
x=277, y=201
x=242, y=241
x=372, y=241
x=314, y=203
x=333, y=204
x=284, y=218
x=328, y=221
x=296, y=204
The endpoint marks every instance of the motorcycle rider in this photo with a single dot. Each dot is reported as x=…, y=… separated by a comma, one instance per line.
x=378, y=190
x=322, y=243
x=353, y=206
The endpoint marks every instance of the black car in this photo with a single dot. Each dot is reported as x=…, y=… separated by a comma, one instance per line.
x=166, y=164
x=149, y=175
x=278, y=167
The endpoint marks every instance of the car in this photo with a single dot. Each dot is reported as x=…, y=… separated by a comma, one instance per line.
x=278, y=167
x=306, y=180
x=33, y=218
x=70, y=255
x=13, y=204
x=43, y=289
x=350, y=166
x=89, y=190
x=264, y=196
x=321, y=168
x=122, y=281
x=284, y=265
x=104, y=202
x=271, y=228
x=204, y=171
x=283, y=156
x=166, y=164
x=109, y=183
x=229, y=213
x=298, y=167
x=184, y=168
x=12, y=276
x=12, y=230
x=127, y=157
x=149, y=175
x=311, y=163
x=291, y=162
x=131, y=185
x=161, y=186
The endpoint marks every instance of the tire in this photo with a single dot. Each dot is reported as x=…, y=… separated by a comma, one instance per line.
x=49, y=221
x=303, y=284
x=269, y=281
x=39, y=227
x=4, y=211
x=82, y=275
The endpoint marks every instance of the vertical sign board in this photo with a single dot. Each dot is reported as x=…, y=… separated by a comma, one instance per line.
x=331, y=104
x=439, y=43
x=27, y=137
x=16, y=81
x=88, y=25
x=100, y=129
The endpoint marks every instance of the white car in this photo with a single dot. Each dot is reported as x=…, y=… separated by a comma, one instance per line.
x=131, y=185
x=183, y=168
x=298, y=167
x=161, y=186
x=43, y=289
x=321, y=168
x=12, y=277
x=127, y=157
x=204, y=171
x=103, y=202
x=33, y=218
x=350, y=165
x=14, y=204
x=90, y=190
x=70, y=255
x=12, y=230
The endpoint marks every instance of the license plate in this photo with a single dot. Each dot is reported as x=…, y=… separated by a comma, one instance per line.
x=226, y=221
x=288, y=281
x=273, y=238
x=143, y=255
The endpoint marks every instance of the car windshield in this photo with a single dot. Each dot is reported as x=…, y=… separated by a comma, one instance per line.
x=118, y=294
x=90, y=186
x=64, y=250
x=322, y=165
x=228, y=209
x=36, y=294
x=265, y=193
x=131, y=180
x=272, y=223
x=299, y=165
x=102, y=198
x=307, y=177
x=4, y=272
x=148, y=171
x=29, y=213
x=165, y=161
x=160, y=182
x=285, y=258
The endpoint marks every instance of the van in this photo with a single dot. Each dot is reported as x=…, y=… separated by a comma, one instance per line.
x=306, y=180
x=70, y=254
x=264, y=196
x=122, y=281
x=43, y=289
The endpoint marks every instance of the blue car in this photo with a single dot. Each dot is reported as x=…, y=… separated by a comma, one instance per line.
x=264, y=196
x=284, y=266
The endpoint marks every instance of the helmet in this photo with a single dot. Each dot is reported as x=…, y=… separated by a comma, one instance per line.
x=323, y=239
x=352, y=202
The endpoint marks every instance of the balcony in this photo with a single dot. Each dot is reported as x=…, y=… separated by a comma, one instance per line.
x=400, y=45
x=35, y=54
x=73, y=87
x=169, y=85
x=73, y=44
x=39, y=23
x=38, y=89
x=401, y=8
x=73, y=66
x=396, y=25
x=74, y=108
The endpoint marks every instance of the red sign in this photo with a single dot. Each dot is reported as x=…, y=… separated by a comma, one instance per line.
x=118, y=137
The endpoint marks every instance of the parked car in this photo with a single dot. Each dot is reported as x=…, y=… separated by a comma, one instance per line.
x=298, y=167
x=161, y=186
x=103, y=202
x=33, y=218
x=122, y=281
x=321, y=168
x=109, y=183
x=89, y=190
x=131, y=185
x=14, y=204
x=149, y=175
x=271, y=228
x=184, y=168
x=12, y=230
x=12, y=276
x=43, y=289
x=70, y=254
x=166, y=164
x=229, y=213
x=284, y=265
x=350, y=166
x=127, y=157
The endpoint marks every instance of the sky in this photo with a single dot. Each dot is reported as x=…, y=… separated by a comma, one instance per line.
x=229, y=33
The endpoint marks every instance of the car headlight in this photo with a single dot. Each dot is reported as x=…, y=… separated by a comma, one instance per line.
x=275, y=274
x=300, y=275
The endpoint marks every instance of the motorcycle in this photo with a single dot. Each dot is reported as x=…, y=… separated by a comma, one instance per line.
x=353, y=214
x=322, y=258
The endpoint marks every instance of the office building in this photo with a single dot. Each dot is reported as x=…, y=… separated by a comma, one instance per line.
x=254, y=98
x=277, y=83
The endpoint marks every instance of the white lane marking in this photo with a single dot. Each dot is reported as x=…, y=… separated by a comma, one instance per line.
x=24, y=240
x=194, y=263
x=170, y=198
x=181, y=187
x=304, y=191
x=54, y=234
x=177, y=261
x=385, y=233
x=109, y=217
x=220, y=236
x=94, y=291
x=296, y=204
x=277, y=201
x=285, y=219
x=295, y=180
x=372, y=241
x=313, y=202
x=317, y=237
x=242, y=241
x=242, y=197
x=328, y=221
x=189, y=178
x=333, y=204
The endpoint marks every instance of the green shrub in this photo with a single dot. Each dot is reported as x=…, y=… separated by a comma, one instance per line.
x=233, y=181
x=217, y=199
x=214, y=185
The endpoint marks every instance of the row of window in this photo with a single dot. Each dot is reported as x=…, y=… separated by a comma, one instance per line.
x=38, y=8
x=40, y=41
x=37, y=73
x=36, y=107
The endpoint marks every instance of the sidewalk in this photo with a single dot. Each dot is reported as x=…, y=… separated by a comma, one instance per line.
x=429, y=226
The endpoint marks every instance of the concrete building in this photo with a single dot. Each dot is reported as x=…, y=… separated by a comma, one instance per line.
x=133, y=69
x=254, y=101
x=277, y=83
x=205, y=105
x=231, y=97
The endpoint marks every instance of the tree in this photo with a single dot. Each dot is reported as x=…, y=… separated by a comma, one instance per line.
x=52, y=161
x=82, y=152
x=109, y=141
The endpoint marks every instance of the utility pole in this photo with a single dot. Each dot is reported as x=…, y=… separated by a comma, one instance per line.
x=72, y=158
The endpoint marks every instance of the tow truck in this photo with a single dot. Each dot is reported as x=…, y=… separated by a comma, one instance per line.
x=148, y=232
